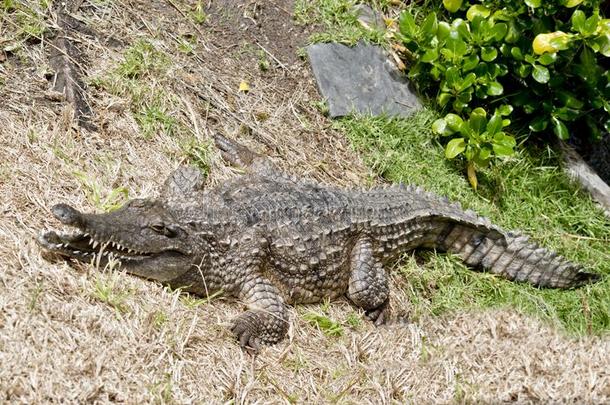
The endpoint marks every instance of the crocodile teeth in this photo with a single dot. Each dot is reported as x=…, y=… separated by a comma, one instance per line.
x=95, y=243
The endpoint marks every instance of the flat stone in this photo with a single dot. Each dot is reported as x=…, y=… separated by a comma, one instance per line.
x=361, y=79
x=369, y=17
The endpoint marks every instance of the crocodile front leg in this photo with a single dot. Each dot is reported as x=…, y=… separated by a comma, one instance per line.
x=368, y=282
x=266, y=320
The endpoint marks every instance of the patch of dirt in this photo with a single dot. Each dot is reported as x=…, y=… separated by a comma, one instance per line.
x=264, y=26
x=80, y=334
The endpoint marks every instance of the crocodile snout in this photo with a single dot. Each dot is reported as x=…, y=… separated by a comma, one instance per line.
x=67, y=215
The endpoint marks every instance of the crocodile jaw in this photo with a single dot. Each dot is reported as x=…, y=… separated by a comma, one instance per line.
x=162, y=266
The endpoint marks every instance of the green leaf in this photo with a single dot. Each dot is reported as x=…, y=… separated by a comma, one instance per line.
x=603, y=42
x=462, y=28
x=515, y=51
x=459, y=105
x=566, y=114
x=505, y=109
x=578, y=21
x=505, y=49
x=541, y=74
x=482, y=158
x=560, y=129
x=440, y=127
x=495, y=124
x=513, y=33
x=455, y=44
x=484, y=154
x=443, y=99
x=590, y=25
x=524, y=70
x=430, y=55
x=478, y=120
x=454, y=121
x=477, y=10
x=503, y=144
x=503, y=150
x=429, y=26
x=569, y=99
x=452, y=77
x=468, y=81
x=533, y=3
x=452, y=5
x=495, y=88
x=443, y=30
x=465, y=96
x=499, y=31
x=587, y=69
x=489, y=53
x=539, y=123
x=455, y=147
x=406, y=25
x=547, y=58
x=470, y=62
x=482, y=69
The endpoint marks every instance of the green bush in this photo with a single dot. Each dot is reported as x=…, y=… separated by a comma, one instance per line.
x=540, y=65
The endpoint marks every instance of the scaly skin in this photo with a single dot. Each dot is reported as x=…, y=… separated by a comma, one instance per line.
x=271, y=240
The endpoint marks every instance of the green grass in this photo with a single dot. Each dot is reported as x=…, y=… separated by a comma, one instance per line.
x=26, y=19
x=109, y=290
x=338, y=19
x=528, y=193
x=199, y=153
x=328, y=326
x=105, y=202
x=140, y=76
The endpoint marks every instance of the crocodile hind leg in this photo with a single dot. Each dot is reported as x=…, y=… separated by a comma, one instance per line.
x=368, y=283
x=240, y=156
x=266, y=320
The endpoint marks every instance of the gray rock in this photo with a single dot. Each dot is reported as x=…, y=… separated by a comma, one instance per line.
x=369, y=17
x=576, y=167
x=360, y=79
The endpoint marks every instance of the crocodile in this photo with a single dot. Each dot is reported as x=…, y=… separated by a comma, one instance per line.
x=271, y=240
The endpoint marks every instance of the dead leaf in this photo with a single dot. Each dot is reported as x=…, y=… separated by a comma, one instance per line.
x=472, y=175
x=244, y=86
x=399, y=63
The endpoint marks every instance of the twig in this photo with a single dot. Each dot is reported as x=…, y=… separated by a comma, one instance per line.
x=272, y=56
x=186, y=17
x=570, y=235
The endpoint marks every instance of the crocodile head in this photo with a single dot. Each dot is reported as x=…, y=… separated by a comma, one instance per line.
x=143, y=235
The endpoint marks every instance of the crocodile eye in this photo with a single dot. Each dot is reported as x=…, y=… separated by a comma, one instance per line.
x=158, y=227
x=162, y=229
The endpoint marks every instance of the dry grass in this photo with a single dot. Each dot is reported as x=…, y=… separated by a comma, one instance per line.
x=80, y=334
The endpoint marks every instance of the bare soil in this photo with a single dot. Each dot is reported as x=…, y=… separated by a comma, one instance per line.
x=268, y=25
x=73, y=333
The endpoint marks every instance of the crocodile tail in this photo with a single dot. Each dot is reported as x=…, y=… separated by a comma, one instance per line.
x=425, y=220
x=511, y=255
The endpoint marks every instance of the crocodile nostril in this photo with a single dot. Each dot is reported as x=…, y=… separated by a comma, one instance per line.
x=67, y=215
